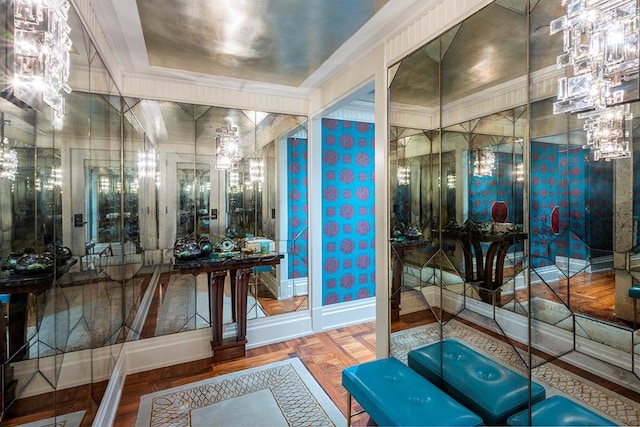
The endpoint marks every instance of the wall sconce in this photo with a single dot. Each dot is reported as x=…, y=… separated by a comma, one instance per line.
x=227, y=156
x=484, y=161
x=600, y=40
x=8, y=161
x=41, y=52
x=404, y=175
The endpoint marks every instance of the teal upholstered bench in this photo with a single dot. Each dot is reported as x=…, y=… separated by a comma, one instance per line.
x=488, y=388
x=558, y=411
x=395, y=395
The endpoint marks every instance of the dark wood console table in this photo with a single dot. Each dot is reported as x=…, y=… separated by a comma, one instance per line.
x=488, y=273
x=239, y=268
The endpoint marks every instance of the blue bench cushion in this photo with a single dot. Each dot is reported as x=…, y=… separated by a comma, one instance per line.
x=488, y=388
x=558, y=411
x=394, y=395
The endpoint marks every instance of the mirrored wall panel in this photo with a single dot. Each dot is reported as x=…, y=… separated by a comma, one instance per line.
x=501, y=202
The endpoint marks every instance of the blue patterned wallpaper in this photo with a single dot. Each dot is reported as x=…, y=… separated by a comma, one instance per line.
x=298, y=214
x=348, y=211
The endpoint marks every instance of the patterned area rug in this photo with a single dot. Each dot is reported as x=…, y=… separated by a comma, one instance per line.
x=278, y=394
x=556, y=380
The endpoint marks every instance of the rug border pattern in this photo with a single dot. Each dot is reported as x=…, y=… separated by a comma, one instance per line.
x=301, y=400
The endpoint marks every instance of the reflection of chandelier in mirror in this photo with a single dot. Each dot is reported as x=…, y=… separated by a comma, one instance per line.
x=41, y=52
x=8, y=161
x=234, y=179
x=54, y=181
x=601, y=47
x=404, y=175
x=256, y=171
x=451, y=181
x=227, y=156
x=108, y=185
x=147, y=164
x=484, y=161
x=519, y=173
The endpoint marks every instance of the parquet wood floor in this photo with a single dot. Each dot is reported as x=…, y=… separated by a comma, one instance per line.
x=324, y=354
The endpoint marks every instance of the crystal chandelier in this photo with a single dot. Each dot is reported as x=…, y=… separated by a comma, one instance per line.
x=227, y=156
x=404, y=175
x=484, y=161
x=8, y=161
x=601, y=49
x=606, y=132
x=41, y=52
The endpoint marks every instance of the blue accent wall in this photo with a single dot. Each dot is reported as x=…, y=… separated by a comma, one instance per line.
x=297, y=208
x=348, y=211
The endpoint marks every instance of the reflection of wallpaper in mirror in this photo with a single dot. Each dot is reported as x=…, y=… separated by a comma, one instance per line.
x=557, y=179
x=298, y=214
x=484, y=191
x=348, y=211
x=599, y=206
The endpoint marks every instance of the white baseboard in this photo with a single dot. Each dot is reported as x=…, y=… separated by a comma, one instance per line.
x=348, y=313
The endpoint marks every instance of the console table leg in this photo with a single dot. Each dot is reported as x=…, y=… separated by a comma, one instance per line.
x=216, y=298
x=242, y=288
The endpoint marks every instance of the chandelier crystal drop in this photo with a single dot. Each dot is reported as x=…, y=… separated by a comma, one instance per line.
x=41, y=52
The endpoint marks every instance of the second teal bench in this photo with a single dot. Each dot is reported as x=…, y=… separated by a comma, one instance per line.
x=488, y=388
x=558, y=411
